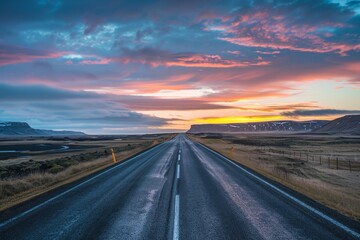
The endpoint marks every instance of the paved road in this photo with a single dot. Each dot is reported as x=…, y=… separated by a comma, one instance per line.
x=177, y=190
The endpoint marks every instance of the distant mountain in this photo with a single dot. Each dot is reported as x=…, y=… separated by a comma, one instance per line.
x=23, y=129
x=273, y=126
x=349, y=124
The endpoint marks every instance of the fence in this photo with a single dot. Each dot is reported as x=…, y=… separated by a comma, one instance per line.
x=332, y=161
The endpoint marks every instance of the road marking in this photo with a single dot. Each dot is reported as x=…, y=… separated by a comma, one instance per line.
x=176, y=217
x=311, y=209
x=177, y=201
x=3, y=224
x=178, y=172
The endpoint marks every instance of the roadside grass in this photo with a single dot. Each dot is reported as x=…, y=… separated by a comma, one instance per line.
x=337, y=189
x=17, y=189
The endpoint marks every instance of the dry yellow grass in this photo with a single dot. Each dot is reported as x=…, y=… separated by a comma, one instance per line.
x=16, y=190
x=337, y=189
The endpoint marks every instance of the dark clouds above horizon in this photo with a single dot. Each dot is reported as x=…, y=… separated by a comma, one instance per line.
x=147, y=66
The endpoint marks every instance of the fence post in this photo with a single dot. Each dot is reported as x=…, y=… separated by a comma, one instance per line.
x=329, y=161
x=320, y=160
x=337, y=163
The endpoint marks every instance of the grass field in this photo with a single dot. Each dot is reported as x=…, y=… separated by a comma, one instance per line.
x=37, y=165
x=325, y=168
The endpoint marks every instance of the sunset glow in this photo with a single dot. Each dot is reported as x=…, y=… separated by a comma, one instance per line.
x=143, y=66
x=237, y=119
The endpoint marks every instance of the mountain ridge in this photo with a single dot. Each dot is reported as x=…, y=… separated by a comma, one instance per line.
x=268, y=126
x=348, y=124
x=24, y=129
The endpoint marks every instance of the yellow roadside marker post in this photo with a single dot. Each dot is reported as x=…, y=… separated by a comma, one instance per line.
x=232, y=152
x=113, y=155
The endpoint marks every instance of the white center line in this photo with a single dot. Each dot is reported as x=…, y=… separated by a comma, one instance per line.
x=178, y=172
x=176, y=218
x=177, y=201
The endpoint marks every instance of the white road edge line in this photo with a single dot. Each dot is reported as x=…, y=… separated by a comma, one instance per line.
x=176, y=217
x=313, y=210
x=3, y=224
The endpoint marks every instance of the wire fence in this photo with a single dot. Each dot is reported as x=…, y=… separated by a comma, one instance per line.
x=331, y=161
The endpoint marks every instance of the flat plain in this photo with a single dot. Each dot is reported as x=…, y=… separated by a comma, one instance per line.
x=324, y=168
x=33, y=165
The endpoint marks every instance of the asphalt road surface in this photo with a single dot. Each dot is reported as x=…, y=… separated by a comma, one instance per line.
x=176, y=190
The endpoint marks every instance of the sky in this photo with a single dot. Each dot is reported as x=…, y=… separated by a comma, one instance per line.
x=121, y=67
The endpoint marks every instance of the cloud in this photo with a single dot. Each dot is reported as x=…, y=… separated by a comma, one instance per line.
x=52, y=108
x=281, y=107
x=234, y=52
x=10, y=54
x=316, y=45
x=92, y=15
x=155, y=58
x=298, y=26
x=319, y=112
x=100, y=61
x=140, y=103
x=130, y=56
x=125, y=119
x=82, y=115
x=40, y=93
x=268, y=53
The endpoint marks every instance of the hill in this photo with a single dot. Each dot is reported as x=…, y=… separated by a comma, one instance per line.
x=272, y=126
x=24, y=129
x=349, y=124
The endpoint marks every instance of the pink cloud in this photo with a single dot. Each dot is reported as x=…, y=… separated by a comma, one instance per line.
x=157, y=58
x=322, y=47
x=268, y=52
x=210, y=61
x=10, y=54
x=266, y=30
x=234, y=52
x=141, y=103
x=101, y=61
